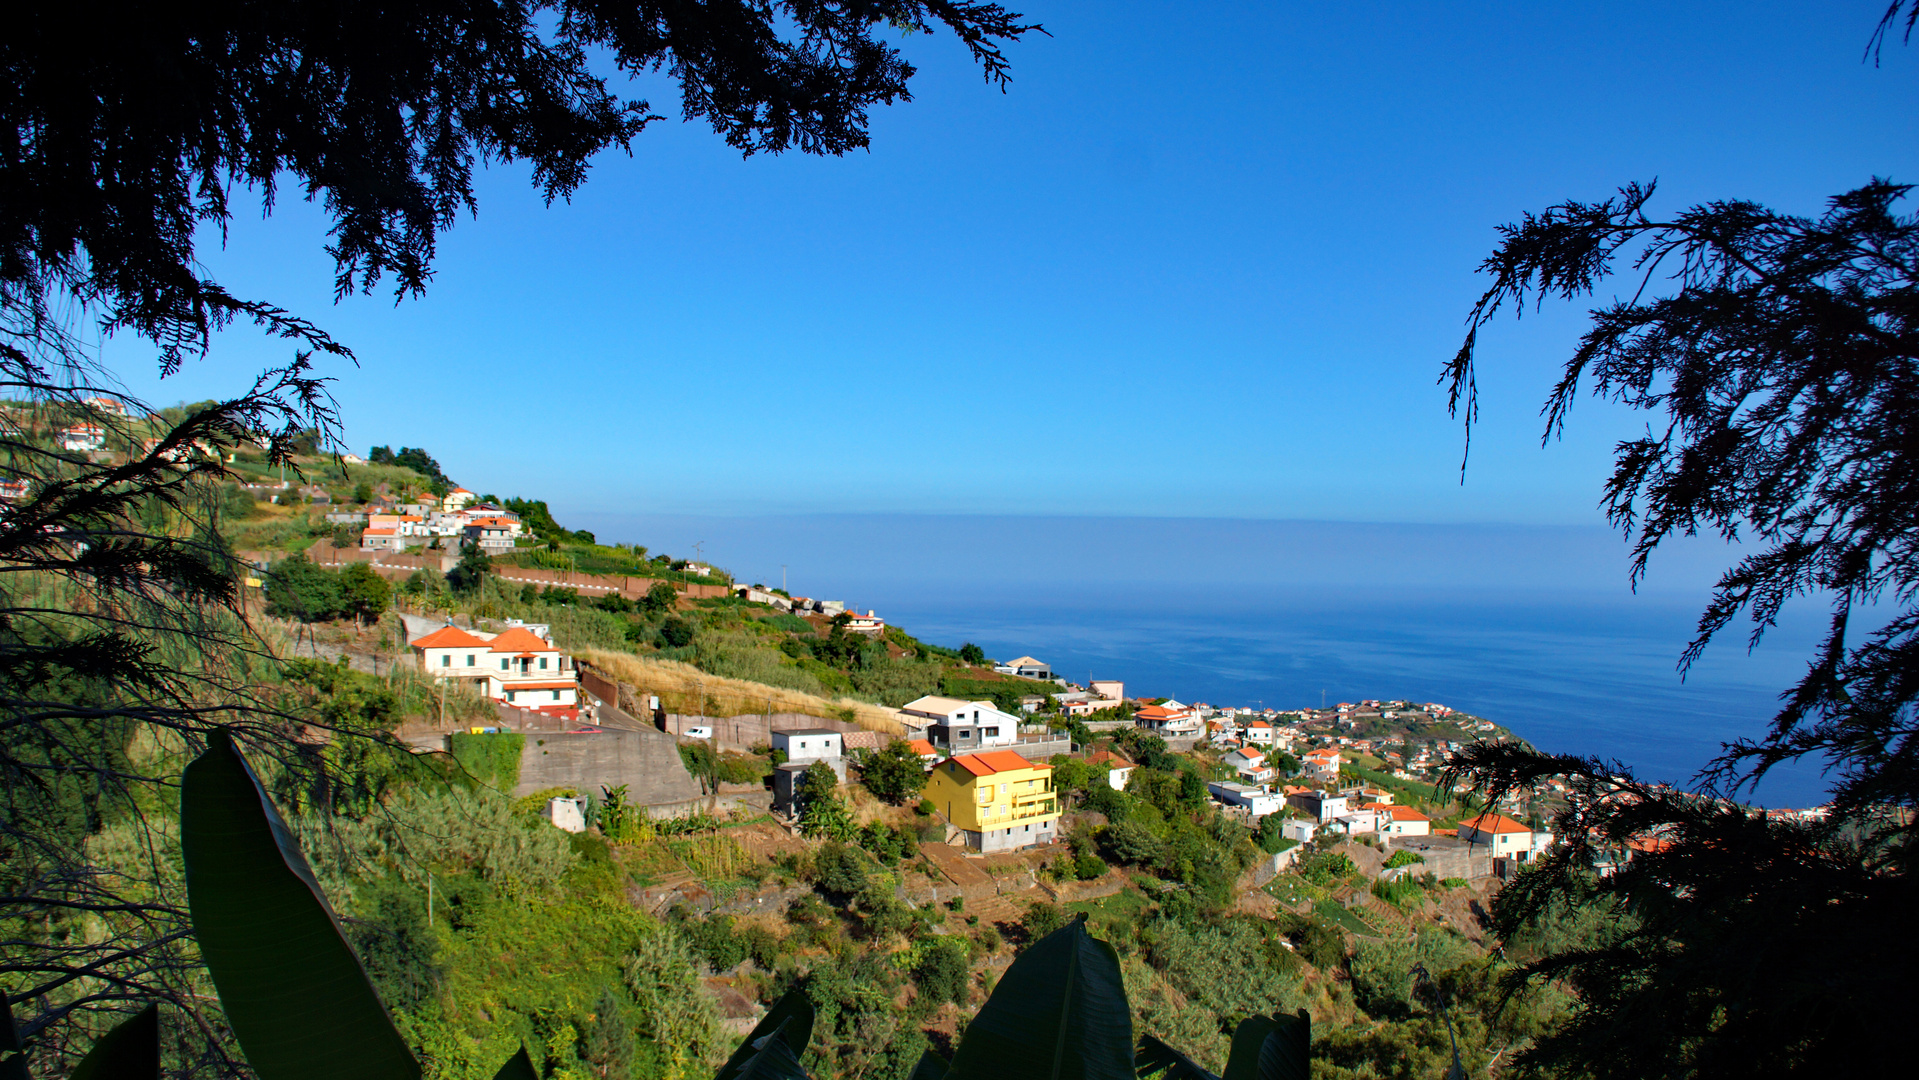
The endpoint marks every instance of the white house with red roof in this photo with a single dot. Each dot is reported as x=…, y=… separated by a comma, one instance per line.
x=1170, y=718
x=1118, y=769
x=1250, y=763
x=1505, y=836
x=1259, y=731
x=1322, y=764
x=516, y=667
x=1401, y=820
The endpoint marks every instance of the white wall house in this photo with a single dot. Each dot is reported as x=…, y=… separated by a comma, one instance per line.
x=810, y=744
x=962, y=726
x=516, y=667
x=1257, y=800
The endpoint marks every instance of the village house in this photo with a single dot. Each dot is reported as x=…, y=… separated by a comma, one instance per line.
x=1322, y=806
x=1118, y=769
x=491, y=534
x=1250, y=763
x=1401, y=820
x=1026, y=668
x=1259, y=732
x=1506, y=837
x=869, y=624
x=1258, y=801
x=83, y=438
x=961, y=726
x=515, y=667
x=1110, y=692
x=998, y=800
x=927, y=751
x=1320, y=764
x=1170, y=718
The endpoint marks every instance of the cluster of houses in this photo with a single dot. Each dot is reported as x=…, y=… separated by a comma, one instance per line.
x=430, y=521
x=870, y=623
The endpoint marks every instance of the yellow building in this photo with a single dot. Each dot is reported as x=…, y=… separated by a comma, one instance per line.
x=1001, y=801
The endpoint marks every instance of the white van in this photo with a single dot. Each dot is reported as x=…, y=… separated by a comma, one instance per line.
x=697, y=733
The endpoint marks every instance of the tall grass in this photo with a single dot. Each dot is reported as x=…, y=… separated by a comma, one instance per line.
x=687, y=690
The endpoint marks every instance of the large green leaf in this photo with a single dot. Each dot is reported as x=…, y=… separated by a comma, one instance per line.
x=131, y=1051
x=295, y=993
x=518, y=1067
x=931, y=1067
x=1286, y=1051
x=1059, y=1013
x=1264, y=1048
x=790, y=1018
x=1155, y=1058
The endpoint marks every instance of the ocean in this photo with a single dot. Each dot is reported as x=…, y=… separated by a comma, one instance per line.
x=1533, y=628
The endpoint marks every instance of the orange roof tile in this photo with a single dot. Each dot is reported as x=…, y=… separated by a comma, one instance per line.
x=988, y=762
x=1494, y=823
x=922, y=747
x=1107, y=757
x=518, y=639
x=511, y=685
x=449, y=637
x=1402, y=813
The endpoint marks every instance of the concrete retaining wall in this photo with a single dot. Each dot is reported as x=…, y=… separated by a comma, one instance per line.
x=647, y=762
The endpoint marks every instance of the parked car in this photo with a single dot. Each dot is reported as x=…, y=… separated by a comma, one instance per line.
x=697, y=733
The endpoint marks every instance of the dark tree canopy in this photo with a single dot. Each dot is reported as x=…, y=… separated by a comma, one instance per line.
x=1783, y=372
x=1781, y=367
x=133, y=127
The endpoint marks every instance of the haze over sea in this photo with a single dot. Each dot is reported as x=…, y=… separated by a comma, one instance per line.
x=1534, y=627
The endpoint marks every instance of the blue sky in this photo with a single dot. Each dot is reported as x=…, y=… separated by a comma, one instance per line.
x=1200, y=260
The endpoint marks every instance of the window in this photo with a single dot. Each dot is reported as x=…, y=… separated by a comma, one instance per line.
x=542, y=663
x=502, y=663
x=469, y=660
x=446, y=660
x=991, y=732
x=509, y=695
x=556, y=695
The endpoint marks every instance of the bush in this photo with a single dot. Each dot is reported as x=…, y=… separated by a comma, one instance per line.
x=676, y=632
x=1087, y=866
x=1042, y=919
x=1404, y=858
x=941, y=972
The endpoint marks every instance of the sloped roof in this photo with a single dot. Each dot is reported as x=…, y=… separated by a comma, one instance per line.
x=1110, y=759
x=1027, y=661
x=518, y=639
x=449, y=637
x=1494, y=823
x=988, y=762
x=922, y=747
x=933, y=703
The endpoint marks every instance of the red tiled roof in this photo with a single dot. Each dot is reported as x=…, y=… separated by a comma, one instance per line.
x=922, y=747
x=1494, y=823
x=1110, y=759
x=518, y=639
x=508, y=684
x=988, y=762
x=449, y=637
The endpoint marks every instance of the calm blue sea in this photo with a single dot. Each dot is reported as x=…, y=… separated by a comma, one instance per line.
x=1531, y=627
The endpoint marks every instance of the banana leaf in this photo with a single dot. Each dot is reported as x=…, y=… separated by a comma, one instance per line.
x=1285, y=1053
x=296, y=995
x=1059, y=1013
x=1264, y=1048
x=131, y=1051
x=518, y=1067
x=1155, y=1057
x=790, y=1018
x=931, y=1067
